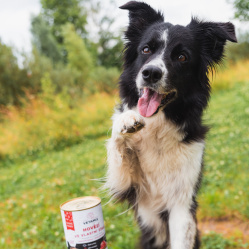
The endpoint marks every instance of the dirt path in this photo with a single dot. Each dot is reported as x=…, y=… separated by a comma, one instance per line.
x=235, y=228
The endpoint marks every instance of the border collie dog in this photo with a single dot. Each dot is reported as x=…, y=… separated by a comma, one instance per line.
x=155, y=153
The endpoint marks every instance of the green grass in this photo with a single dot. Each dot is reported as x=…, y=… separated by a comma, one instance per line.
x=216, y=241
x=32, y=187
x=225, y=185
x=32, y=191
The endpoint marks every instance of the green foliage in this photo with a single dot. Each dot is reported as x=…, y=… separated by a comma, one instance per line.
x=104, y=79
x=241, y=9
x=37, y=65
x=77, y=54
x=48, y=30
x=239, y=51
x=108, y=44
x=110, y=55
x=48, y=89
x=59, y=12
x=62, y=49
x=13, y=80
x=43, y=40
x=66, y=80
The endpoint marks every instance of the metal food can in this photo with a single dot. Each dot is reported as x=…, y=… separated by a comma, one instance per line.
x=83, y=223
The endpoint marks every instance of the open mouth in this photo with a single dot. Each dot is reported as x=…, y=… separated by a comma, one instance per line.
x=150, y=101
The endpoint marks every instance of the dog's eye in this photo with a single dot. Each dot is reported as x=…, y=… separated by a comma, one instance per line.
x=182, y=58
x=146, y=50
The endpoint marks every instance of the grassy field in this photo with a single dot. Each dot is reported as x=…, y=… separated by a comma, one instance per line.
x=225, y=183
x=67, y=155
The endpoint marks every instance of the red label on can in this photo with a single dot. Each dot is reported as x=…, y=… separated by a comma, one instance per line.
x=69, y=220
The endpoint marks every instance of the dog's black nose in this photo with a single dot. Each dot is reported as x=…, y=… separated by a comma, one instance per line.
x=152, y=74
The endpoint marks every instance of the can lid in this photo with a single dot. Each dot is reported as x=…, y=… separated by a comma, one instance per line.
x=80, y=203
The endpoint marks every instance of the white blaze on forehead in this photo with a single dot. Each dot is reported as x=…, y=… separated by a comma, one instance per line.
x=158, y=61
x=164, y=37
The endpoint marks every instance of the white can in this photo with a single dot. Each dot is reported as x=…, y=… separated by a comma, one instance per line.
x=83, y=223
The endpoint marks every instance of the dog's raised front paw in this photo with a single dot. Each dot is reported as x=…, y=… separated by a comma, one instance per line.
x=133, y=128
x=128, y=122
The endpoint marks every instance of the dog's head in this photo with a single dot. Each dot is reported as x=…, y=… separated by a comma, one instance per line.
x=164, y=62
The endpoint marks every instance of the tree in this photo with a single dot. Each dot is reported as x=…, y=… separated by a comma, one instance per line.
x=13, y=80
x=241, y=50
x=241, y=9
x=106, y=46
x=109, y=44
x=59, y=12
x=43, y=39
x=78, y=56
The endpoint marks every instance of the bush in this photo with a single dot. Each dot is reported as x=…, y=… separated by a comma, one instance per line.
x=13, y=80
x=64, y=79
x=239, y=51
x=104, y=79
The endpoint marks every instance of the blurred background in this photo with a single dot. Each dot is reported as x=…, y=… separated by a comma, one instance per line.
x=59, y=67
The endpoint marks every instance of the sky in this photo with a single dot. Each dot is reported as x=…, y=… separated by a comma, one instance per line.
x=15, y=16
x=15, y=22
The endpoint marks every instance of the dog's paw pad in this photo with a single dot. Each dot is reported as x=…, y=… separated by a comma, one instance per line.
x=137, y=126
x=129, y=122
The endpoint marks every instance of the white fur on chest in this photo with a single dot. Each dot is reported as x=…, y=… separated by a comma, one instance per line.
x=170, y=167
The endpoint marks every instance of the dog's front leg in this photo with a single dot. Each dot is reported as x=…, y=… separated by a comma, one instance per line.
x=122, y=159
x=182, y=228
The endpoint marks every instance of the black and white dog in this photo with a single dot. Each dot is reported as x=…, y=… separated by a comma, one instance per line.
x=156, y=150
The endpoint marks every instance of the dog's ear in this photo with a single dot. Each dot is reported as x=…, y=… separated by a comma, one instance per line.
x=141, y=15
x=212, y=37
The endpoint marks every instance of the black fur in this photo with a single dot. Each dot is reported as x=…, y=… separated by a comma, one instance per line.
x=147, y=239
x=203, y=44
x=129, y=195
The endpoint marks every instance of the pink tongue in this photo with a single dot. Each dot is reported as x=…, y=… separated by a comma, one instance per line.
x=149, y=102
